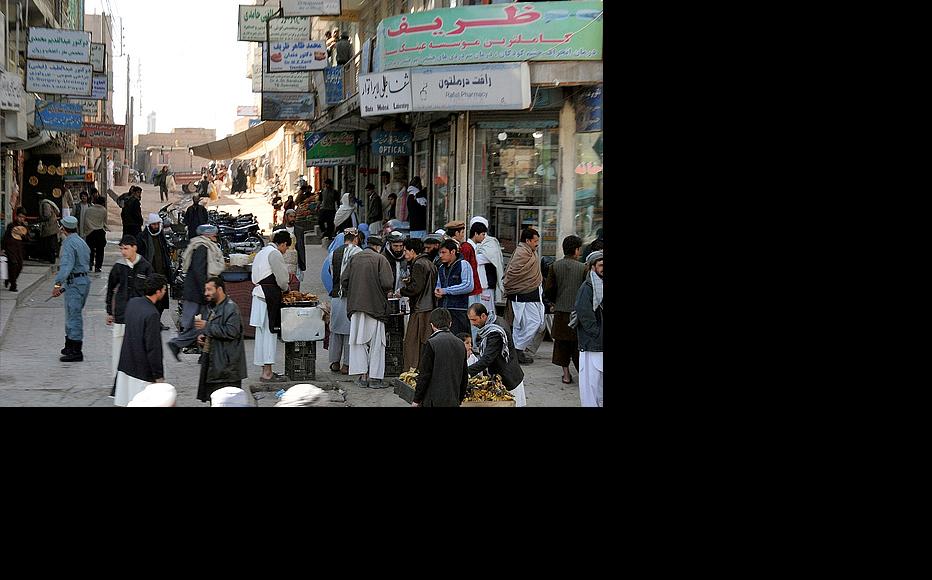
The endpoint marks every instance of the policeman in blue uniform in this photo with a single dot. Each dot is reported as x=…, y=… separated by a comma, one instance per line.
x=72, y=281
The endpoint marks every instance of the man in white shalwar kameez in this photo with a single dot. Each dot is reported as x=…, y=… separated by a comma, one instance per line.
x=367, y=280
x=523, y=285
x=270, y=275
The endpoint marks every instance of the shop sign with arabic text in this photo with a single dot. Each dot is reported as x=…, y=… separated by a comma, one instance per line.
x=495, y=33
x=392, y=143
x=103, y=135
x=385, y=93
x=327, y=149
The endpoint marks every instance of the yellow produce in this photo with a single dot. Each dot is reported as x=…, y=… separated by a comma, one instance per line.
x=485, y=388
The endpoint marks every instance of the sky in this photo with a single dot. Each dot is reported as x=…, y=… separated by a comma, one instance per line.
x=193, y=68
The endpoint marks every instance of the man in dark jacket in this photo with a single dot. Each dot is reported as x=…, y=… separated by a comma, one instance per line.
x=195, y=216
x=589, y=333
x=328, y=208
x=154, y=248
x=366, y=281
x=162, y=181
x=141, y=355
x=132, y=212
x=419, y=289
x=127, y=280
x=374, y=214
x=223, y=362
x=442, y=377
x=416, y=202
x=497, y=352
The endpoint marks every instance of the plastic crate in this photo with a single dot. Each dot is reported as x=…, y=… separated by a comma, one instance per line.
x=301, y=360
x=394, y=346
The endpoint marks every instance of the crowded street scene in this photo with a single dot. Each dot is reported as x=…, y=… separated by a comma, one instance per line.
x=363, y=203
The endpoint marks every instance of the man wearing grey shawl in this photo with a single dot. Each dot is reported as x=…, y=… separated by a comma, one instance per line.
x=589, y=333
x=497, y=352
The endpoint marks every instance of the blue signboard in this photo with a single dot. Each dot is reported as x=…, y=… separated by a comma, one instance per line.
x=393, y=143
x=333, y=82
x=61, y=117
x=589, y=110
x=254, y=122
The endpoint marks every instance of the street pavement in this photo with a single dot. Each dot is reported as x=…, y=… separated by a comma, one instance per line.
x=32, y=334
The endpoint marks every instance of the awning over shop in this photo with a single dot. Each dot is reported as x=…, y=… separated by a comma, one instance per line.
x=235, y=146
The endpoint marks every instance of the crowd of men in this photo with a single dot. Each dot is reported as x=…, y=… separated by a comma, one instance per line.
x=450, y=283
x=447, y=285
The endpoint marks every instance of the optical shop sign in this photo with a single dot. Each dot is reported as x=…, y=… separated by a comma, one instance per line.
x=494, y=33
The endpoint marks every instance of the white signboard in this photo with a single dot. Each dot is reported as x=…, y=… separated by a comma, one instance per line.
x=471, y=87
x=88, y=108
x=310, y=7
x=99, y=56
x=250, y=111
x=58, y=78
x=303, y=55
x=11, y=91
x=385, y=93
x=298, y=82
x=253, y=20
x=59, y=45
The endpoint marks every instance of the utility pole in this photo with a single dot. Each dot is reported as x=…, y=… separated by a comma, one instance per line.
x=128, y=151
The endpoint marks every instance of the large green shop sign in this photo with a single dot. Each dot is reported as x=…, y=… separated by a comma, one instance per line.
x=327, y=149
x=496, y=33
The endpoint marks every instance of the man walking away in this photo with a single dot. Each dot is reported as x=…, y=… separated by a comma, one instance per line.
x=94, y=217
x=497, y=353
x=154, y=248
x=223, y=361
x=454, y=283
x=73, y=282
x=328, y=208
x=563, y=282
x=339, y=321
x=419, y=289
x=13, y=240
x=196, y=215
x=127, y=280
x=373, y=210
x=141, y=353
x=523, y=286
x=589, y=333
x=132, y=212
x=270, y=275
x=366, y=282
x=442, y=376
x=50, y=215
x=162, y=181
x=202, y=259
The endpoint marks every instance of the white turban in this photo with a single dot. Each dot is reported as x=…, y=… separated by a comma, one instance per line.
x=154, y=218
x=229, y=397
x=155, y=395
x=303, y=395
